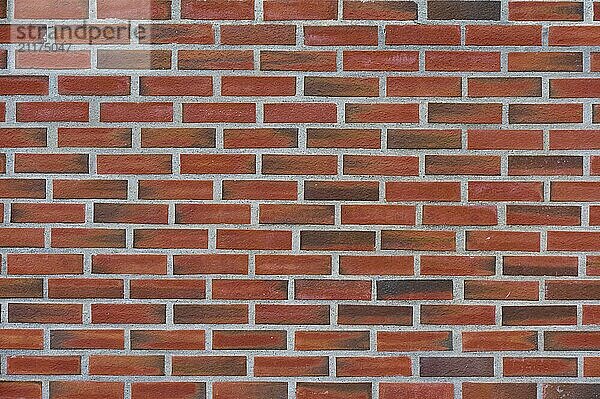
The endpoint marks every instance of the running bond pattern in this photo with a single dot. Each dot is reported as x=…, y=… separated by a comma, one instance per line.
x=268, y=199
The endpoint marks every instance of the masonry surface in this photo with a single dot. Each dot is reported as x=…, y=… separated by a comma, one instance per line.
x=272, y=199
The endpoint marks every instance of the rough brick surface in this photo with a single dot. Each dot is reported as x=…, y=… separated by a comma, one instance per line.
x=299, y=199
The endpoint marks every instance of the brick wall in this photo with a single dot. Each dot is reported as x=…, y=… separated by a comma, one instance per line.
x=268, y=199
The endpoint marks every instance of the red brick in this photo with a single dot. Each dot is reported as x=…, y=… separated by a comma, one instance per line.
x=217, y=9
x=299, y=10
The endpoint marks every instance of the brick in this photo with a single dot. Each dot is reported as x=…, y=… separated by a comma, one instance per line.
x=219, y=112
x=250, y=390
x=545, y=62
x=280, y=366
x=260, y=138
x=472, y=390
x=51, y=163
x=258, y=86
x=212, y=214
x=210, y=314
x=484, y=341
x=77, y=59
x=505, y=191
x=414, y=289
x=464, y=113
x=505, y=139
x=23, y=137
x=505, y=87
x=249, y=289
x=136, y=112
x=501, y=290
x=273, y=34
x=380, y=10
x=88, y=389
x=126, y=365
x=24, y=85
x=545, y=113
x=254, y=239
x=503, y=241
x=209, y=365
x=539, y=266
x=375, y=315
x=129, y=264
x=249, y=340
x=47, y=213
x=170, y=238
x=457, y=367
x=498, y=35
x=210, y=264
x=378, y=214
x=21, y=389
x=175, y=189
x=341, y=87
x=317, y=61
x=167, y=340
x=51, y=9
x=423, y=86
x=134, y=59
x=389, y=390
x=422, y=34
x=176, y=33
x=573, y=139
x=56, y=313
x=300, y=10
x=86, y=189
x=422, y=191
x=354, y=35
x=177, y=390
x=215, y=59
x=176, y=86
x=143, y=164
x=458, y=265
x=87, y=339
x=464, y=164
x=130, y=9
x=462, y=61
x=88, y=238
x=85, y=288
x=539, y=315
x=337, y=240
x=470, y=10
x=299, y=165
x=415, y=240
x=217, y=10
x=545, y=11
x=459, y=215
x=292, y=264
x=22, y=339
x=381, y=113
x=32, y=264
x=95, y=137
x=167, y=289
x=259, y=189
x=300, y=113
x=540, y=367
x=331, y=340
x=52, y=112
x=327, y=289
x=296, y=214
x=412, y=341
x=458, y=314
x=305, y=390
x=292, y=314
x=94, y=85
x=375, y=60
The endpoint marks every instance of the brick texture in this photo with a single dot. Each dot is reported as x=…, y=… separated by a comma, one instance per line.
x=299, y=199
